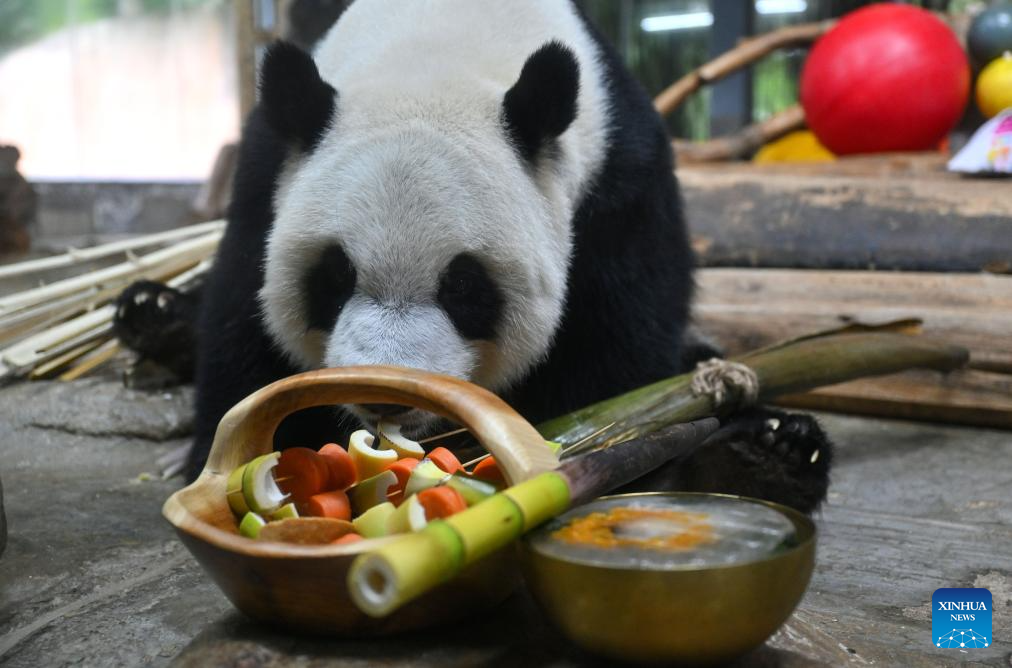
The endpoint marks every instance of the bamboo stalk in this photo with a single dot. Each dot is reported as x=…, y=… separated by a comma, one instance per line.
x=75, y=256
x=748, y=51
x=175, y=257
x=34, y=319
x=792, y=368
x=26, y=355
x=29, y=321
x=20, y=358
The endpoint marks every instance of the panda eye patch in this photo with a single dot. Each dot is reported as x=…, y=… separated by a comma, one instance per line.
x=328, y=287
x=470, y=298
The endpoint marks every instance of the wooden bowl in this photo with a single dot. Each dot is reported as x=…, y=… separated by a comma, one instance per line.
x=304, y=587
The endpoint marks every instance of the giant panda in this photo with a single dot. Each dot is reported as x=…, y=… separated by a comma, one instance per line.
x=477, y=188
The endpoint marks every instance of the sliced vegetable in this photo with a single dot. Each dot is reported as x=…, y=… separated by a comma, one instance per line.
x=285, y=512
x=402, y=468
x=347, y=538
x=261, y=492
x=441, y=502
x=236, y=500
x=445, y=460
x=301, y=473
x=373, y=522
x=488, y=469
x=306, y=530
x=425, y=475
x=342, y=468
x=392, y=439
x=251, y=525
x=554, y=446
x=372, y=491
x=334, y=504
x=471, y=489
x=368, y=460
x=409, y=516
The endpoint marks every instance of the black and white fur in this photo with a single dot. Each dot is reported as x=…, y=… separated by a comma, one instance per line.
x=470, y=187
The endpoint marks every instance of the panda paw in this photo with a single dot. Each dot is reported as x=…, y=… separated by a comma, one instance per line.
x=787, y=456
x=158, y=322
x=794, y=439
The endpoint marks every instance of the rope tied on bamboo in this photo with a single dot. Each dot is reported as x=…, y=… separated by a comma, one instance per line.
x=727, y=384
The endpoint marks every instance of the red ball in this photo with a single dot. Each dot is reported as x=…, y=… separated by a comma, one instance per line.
x=885, y=78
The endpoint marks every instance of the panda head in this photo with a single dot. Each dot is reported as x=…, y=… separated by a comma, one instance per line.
x=426, y=228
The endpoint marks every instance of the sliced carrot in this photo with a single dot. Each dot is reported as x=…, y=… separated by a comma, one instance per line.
x=441, y=502
x=445, y=460
x=347, y=538
x=342, y=468
x=402, y=469
x=488, y=469
x=333, y=504
x=301, y=472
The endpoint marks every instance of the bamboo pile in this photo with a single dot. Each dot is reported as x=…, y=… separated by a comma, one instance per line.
x=63, y=327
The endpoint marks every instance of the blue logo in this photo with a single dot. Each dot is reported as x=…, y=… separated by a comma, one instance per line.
x=961, y=618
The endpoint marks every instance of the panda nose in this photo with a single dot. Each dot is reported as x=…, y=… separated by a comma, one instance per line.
x=386, y=410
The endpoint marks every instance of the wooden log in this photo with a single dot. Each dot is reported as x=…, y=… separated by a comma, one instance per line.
x=883, y=212
x=744, y=309
x=961, y=397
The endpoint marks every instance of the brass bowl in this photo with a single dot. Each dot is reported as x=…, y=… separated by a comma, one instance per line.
x=687, y=615
x=303, y=587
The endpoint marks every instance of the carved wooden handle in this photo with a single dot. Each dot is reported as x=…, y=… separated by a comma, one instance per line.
x=247, y=430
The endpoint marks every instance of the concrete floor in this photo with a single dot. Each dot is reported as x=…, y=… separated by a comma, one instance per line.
x=92, y=575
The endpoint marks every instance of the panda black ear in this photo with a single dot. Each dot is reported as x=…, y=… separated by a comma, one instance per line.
x=297, y=102
x=543, y=102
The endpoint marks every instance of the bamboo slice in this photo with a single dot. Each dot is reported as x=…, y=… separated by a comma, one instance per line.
x=391, y=575
x=79, y=255
x=748, y=51
x=178, y=256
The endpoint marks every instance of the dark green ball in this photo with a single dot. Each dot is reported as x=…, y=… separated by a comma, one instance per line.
x=990, y=34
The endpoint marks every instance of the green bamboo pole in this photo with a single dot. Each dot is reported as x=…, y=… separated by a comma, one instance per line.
x=797, y=366
x=383, y=580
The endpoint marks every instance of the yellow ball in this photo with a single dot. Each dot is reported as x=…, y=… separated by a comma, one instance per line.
x=798, y=146
x=994, y=86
